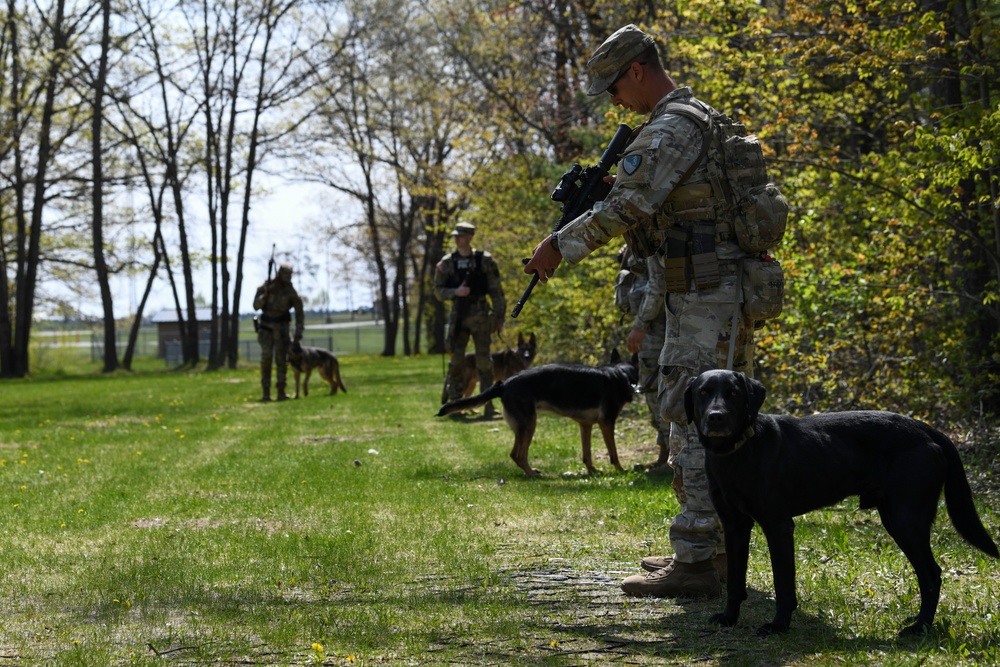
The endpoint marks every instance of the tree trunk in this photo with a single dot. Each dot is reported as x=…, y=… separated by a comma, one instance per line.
x=25, y=292
x=97, y=226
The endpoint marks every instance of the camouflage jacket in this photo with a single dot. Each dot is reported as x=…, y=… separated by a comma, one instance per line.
x=665, y=153
x=280, y=298
x=483, y=280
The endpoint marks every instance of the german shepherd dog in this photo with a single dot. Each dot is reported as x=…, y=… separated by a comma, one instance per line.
x=771, y=468
x=588, y=395
x=505, y=363
x=304, y=359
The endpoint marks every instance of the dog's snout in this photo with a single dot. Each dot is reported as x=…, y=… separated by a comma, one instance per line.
x=715, y=417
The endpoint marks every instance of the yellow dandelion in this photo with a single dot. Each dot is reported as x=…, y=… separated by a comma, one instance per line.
x=80, y=511
x=317, y=647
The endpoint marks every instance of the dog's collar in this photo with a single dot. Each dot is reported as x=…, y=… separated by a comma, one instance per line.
x=747, y=434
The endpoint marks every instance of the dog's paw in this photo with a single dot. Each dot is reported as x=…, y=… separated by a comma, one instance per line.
x=723, y=619
x=772, y=629
x=917, y=629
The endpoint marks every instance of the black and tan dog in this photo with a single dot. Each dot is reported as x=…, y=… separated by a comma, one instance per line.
x=771, y=468
x=586, y=394
x=304, y=359
x=505, y=363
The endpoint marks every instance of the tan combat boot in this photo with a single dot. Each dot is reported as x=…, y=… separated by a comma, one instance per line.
x=676, y=580
x=654, y=563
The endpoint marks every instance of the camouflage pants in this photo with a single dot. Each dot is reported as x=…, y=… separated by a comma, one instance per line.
x=697, y=338
x=649, y=373
x=274, y=343
x=478, y=326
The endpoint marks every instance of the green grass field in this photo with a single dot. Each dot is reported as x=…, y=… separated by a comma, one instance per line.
x=170, y=518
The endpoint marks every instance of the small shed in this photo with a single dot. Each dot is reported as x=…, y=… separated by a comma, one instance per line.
x=168, y=332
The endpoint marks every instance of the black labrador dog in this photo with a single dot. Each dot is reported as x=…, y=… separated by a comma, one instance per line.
x=771, y=468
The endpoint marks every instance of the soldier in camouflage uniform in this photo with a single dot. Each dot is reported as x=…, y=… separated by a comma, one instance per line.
x=467, y=277
x=663, y=202
x=643, y=303
x=276, y=298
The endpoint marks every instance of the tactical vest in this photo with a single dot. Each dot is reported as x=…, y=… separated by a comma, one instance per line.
x=724, y=209
x=474, y=277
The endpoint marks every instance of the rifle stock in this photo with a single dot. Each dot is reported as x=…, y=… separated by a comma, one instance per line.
x=578, y=190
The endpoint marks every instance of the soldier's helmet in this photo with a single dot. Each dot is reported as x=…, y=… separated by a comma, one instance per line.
x=285, y=269
x=464, y=228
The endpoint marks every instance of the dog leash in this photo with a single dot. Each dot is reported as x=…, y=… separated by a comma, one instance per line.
x=734, y=325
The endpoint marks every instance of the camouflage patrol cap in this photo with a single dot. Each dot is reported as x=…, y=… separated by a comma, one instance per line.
x=614, y=55
x=466, y=228
x=285, y=268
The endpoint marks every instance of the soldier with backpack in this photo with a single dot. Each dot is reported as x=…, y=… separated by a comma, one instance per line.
x=471, y=280
x=690, y=188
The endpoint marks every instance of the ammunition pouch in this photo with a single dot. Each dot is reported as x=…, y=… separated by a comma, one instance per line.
x=763, y=288
x=691, y=255
x=705, y=263
x=675, y=264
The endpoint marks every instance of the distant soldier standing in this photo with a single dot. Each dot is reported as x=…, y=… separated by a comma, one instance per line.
x=640, y=294
x=467, y=277
x=276, y=298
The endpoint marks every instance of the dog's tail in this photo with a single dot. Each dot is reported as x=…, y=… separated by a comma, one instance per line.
x=496, y=391
x=958, y=498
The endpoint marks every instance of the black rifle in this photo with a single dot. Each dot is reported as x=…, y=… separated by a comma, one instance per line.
x=270, y=264
x=267, y=285
x=578, y=190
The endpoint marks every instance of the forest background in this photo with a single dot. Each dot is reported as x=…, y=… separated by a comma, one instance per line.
x=131, y=127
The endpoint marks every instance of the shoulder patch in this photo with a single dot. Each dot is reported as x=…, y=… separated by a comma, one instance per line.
x=631, y=163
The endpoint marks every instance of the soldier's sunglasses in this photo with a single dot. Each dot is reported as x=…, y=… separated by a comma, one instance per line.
x=612, y=89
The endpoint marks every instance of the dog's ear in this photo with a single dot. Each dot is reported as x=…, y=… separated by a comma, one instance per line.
x=520, y=339
x=615, y=357
x=756, y=393
x=532, y=338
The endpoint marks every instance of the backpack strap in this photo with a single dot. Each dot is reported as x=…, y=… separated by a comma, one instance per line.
x=703, y=120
